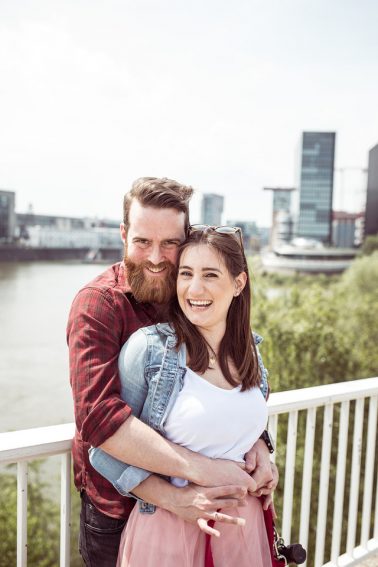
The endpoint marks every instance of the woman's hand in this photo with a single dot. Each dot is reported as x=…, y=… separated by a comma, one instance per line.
x=199, y=504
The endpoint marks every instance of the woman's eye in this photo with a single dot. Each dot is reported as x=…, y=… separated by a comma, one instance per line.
x=185, y=274
x=211, y=275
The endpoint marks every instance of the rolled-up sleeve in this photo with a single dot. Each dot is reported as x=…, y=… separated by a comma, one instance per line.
x=132, y=365
x=93, y=336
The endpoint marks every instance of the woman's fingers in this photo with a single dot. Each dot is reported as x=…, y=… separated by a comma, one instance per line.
x=226, y=519
x=218, y=517
x=203, y=525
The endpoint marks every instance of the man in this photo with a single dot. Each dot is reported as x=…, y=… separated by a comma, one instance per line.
x=104, y=314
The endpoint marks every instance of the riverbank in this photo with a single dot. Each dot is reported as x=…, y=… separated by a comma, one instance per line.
x=14, y=253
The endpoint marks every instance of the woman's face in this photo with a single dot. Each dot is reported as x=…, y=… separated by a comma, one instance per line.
x=205, y=288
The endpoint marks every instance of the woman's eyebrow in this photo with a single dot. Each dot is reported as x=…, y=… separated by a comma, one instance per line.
x=203, y=269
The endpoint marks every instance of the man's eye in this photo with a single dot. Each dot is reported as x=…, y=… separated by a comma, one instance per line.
x=170, y=244
x=142, y=243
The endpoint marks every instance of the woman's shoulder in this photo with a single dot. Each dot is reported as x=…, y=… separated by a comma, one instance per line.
x=146, y=338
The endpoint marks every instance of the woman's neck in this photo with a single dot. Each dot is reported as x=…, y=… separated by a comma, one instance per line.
x=213, y=336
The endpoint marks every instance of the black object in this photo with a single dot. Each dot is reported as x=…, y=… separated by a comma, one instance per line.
x=268, y=440
x=293, y=553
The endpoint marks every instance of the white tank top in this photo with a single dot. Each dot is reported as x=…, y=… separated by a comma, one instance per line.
x=215, y=422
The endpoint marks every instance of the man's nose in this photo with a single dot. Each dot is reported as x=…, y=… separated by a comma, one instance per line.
x=155, y=256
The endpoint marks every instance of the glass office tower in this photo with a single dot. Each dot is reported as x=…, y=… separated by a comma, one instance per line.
x=212, y=209
x=314, y=213
x=7, y=215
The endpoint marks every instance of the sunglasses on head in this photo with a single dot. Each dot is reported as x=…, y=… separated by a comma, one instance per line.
x=227, y=230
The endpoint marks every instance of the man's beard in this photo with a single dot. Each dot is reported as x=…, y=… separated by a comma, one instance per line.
x=152, y=289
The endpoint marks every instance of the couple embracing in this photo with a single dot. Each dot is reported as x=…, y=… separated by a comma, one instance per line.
x=170, y=396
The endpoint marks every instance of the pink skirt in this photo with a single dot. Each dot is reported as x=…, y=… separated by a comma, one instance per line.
x=164, y=540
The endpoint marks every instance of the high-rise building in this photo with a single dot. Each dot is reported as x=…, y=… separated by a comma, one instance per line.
x=281, y=230
x=371, y=215
x=212, y=209
x=346, y=229
x=7, y=215
x=313, y=210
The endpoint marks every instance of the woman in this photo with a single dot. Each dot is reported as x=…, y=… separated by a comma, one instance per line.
x=196, y=381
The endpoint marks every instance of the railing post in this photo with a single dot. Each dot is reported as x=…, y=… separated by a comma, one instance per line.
x=307, y=477
x=369, y=471
x=340, y=481
x=65, y=510
x=355, y=476
x=22, y=513
x=323, y=486
x=289, y=474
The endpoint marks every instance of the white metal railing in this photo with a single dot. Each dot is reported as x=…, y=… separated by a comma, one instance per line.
x=328, y=397
x=29, y=444
x=22, y=446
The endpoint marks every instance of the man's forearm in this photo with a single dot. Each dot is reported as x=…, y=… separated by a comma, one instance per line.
x=135, y=443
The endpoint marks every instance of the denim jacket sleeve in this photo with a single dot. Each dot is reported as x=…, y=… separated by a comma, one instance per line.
x=132, y=364
x=264, y=385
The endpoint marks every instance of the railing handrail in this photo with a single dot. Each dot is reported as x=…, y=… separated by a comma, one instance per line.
x=56, y=439
x=305, y=398
x=35, y=443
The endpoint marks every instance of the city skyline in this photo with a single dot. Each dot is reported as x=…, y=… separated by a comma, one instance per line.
x=212, y=95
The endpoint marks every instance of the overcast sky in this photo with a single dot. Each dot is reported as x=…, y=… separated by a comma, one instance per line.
x=212, y=93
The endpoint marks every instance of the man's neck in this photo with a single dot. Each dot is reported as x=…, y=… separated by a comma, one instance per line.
x=162, y=311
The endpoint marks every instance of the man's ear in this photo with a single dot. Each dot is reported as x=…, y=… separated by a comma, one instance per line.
x=123, y=232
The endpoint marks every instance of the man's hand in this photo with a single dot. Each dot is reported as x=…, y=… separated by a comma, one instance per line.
x=222, y=472
x=264, y=472
x=257, y=463
x=198, y=504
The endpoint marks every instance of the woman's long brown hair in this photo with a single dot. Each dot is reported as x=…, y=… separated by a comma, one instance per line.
x=237, y=344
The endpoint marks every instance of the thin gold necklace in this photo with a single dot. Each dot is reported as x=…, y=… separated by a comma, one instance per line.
x=212, y=357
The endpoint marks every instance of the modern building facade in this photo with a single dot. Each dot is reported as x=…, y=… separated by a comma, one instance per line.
x=371, y=216
x=7, y=215
x=313, y=211
x=347, y=229
x=212, y=209
x=281, y=230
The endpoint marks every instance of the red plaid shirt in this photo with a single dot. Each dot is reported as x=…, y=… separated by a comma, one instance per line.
x=103, y=316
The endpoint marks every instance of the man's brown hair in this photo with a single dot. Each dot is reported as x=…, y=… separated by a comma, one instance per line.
x=161, y=193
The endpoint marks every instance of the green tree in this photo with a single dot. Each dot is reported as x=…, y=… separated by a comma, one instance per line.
x=370, y=244
x=43, y=523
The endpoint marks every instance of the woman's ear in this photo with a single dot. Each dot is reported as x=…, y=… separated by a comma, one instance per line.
x=240, y=282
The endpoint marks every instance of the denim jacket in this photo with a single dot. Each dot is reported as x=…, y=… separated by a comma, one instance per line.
x=152, y=374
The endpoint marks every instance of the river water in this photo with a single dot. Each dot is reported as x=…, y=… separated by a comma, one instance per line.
x=34, y=303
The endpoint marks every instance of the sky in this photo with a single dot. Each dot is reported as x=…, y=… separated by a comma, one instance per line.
x=215, y=94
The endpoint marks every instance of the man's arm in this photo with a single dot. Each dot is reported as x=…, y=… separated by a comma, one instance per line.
x=94, y=336
x=137, y=444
